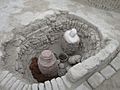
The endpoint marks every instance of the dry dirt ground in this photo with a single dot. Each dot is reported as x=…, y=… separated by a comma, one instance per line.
x=14, y=13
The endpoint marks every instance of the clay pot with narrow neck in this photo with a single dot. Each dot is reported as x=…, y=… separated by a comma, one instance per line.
x=47, y=64
x=70, y=42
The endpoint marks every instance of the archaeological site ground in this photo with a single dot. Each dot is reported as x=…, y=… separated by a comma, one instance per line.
x=59, y=44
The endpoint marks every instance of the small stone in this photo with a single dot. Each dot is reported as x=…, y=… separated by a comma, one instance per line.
x=74, y=59
x=58, y=61
x=18, y=49
x=62, y=72
x=61, y=65
x=68, y=67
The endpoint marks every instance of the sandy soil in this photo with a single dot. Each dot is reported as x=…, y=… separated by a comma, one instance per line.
x=15, y=13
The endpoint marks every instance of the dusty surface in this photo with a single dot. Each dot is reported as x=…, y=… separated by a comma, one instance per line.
x=111, y=84
x=14, y=13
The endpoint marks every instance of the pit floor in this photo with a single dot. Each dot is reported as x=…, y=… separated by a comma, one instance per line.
x=14, y=13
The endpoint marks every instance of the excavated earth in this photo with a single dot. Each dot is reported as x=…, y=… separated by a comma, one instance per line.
x=29, y=41
x=28, y=27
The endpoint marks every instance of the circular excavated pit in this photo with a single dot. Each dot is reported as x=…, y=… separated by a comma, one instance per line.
x=29, y=41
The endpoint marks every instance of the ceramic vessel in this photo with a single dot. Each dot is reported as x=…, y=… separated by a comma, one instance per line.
x=70, y=41
x=47, y=64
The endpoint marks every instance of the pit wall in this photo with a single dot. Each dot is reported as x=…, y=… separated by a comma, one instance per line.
x=113, y=5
